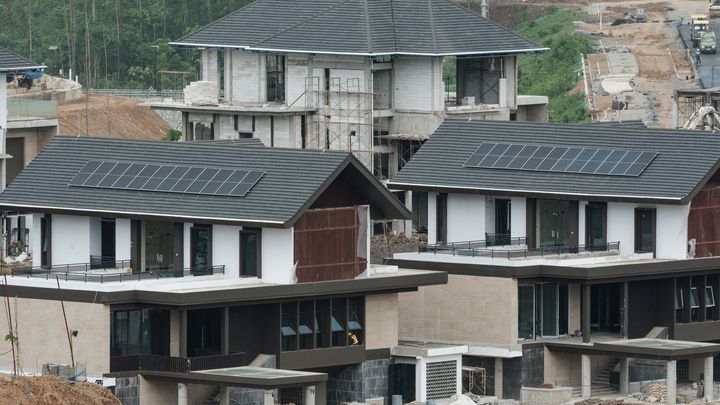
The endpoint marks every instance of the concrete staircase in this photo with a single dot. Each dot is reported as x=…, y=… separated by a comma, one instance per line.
x=212, y=399
x=600, y=384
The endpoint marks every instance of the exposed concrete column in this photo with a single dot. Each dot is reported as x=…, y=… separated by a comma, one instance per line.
x=624, y=375
x=228, y=73
x=269, y=400
x=671, y=382
x=499, y=377
x=586, y=313
x=586, y=375
x=409, y=206
x=625, y=310
x=708, y=383
x=224, y=396
x=225, y=341
x=309, y=395
x=182, y=394
x=210, y=72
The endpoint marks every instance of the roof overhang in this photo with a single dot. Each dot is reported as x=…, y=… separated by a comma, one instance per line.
x=21, y=68
x=657, y=349
x=612, y=272
x=541, y=194
x=247, y=377
x=368, y=54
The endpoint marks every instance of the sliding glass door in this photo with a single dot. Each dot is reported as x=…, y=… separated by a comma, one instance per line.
x=542, y=310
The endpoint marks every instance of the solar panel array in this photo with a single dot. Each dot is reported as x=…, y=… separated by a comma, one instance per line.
x=166, y=178
x=560, y=159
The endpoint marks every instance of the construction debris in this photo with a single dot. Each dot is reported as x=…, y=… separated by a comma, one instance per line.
x=654, y=393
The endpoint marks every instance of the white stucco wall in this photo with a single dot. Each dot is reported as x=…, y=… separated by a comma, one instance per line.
x=581, y=222
x=226, y=249
x=466, y=217
x=672, y=230
x=122, y=239
x=186, y=244
x=33, y=223
x=277, y=255
x=418, y=84
x=518, y=217
x=621, y=226
x=70, y=239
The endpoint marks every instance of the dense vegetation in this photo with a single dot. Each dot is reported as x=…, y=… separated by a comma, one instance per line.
x=555, y=73
x=109, y=43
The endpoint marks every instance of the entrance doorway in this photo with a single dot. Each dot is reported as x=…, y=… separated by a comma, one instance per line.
x=596, y=226
x=605, y=308
x=107, y=242
x=441, y=218
x=556, y=223
x=502, y=222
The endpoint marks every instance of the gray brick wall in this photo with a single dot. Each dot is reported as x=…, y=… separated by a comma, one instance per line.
x=359, y=382
x=126, y=390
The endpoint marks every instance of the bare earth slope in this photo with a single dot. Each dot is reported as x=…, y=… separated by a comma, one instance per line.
x=52, y=391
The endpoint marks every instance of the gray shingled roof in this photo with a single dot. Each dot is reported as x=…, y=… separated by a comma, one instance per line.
x=10, y=62
x=359, y=27
x=683, y=164
x=293, y=179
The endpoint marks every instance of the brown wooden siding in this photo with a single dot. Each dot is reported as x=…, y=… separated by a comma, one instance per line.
x=704, y=219
x=326, y=245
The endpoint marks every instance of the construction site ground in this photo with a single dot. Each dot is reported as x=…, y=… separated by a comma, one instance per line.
x=109, y=116
x=52, y=391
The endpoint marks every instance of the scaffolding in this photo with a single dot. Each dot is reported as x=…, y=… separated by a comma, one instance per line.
x=687, y=103
x=343, y=119
x=475, y=381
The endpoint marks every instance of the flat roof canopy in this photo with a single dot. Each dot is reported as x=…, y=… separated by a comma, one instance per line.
x=247, y=377
x=659, y=349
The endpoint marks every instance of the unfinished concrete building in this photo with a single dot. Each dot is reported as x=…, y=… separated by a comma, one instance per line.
x=367, y=76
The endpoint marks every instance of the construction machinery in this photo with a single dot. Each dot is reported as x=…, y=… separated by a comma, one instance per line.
x=699, y=23
x=708, y=42
x=714, y=8
x=706, y=117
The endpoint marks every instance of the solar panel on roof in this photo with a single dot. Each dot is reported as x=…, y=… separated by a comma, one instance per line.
x=561, y=159
x=166, y=178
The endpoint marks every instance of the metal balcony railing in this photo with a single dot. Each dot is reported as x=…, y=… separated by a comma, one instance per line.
x=170, y=364
x=480, y=249
x=103, y=270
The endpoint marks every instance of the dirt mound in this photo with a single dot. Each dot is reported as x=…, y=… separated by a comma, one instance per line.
x=52, y=391
x=382, y=246
x=108, y=116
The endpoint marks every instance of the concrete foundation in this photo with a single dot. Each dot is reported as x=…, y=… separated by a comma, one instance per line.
x=546, y=396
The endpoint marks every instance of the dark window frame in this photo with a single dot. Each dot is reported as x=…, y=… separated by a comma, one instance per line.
x=637, y=230
x=258, y=249
x=588, y=208
x=195, y=228
x=275, y=70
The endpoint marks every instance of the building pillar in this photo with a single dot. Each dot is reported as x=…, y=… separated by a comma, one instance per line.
x=269, y=400
x=309, y=395
x=182, y=394
x=586, y=313
x=586, y=376
x=409, y=206
x=709, y=380
x=624, y=375
x=671, y=382
x=625, y=311
x=224, y=396
x=499, y=378
x=225, y=342
x=228, y=73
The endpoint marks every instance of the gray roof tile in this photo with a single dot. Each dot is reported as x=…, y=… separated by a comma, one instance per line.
x=363, y=27
x=10, y=61
x=683, y=164
x=292, y=179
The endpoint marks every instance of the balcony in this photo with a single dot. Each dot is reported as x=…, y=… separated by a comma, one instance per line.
x=147, y=362
x=105, y=270
x=502, y=246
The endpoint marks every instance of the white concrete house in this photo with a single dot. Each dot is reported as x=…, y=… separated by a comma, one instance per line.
x=559, y=239
x=364, y=76
x=175, y=258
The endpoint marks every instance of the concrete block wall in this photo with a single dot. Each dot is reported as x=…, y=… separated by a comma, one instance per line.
x=359, y=382
x=418, y=84
x=127, y=390
x=248, y=80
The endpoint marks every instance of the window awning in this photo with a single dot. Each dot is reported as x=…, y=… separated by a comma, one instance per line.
x=247, y=377
x=659, y=349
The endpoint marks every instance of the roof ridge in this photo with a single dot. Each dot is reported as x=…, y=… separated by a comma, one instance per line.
x=337, y=4
x=223, y=18
x=432, y=25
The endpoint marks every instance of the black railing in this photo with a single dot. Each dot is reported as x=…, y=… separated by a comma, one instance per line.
x=501, y=239
x=170, y=364
x=105, y=273
x=471, y=245
x=480, y=249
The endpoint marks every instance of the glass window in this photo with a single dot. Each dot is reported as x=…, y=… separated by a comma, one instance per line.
x=306, y=327
x=119, y=334
x=288, y=329
x=134, y=335
x=644, y=231
x=158, y=247
x=679, y=303
x=200, y=248
x=694, y=301
x=322, y=317
x=275, y=70
x=709, y=297
x=550, y=310
x=338, y=322
x=526, y=311
x=356, y=316
x=250, y=253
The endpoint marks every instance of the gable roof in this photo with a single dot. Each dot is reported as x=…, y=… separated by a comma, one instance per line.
x=684, y=162
x=11, y=62
x=360, y=27
x=293, y=179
